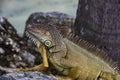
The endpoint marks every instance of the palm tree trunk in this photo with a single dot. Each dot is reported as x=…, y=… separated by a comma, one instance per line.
x=98, y=22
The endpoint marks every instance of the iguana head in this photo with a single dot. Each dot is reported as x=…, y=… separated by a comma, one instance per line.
x=42, y=38
x=47, y=39
x=43, y=30
x=40, y=34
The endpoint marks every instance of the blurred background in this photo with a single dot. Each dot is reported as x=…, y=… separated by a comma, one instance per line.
x=17, y=11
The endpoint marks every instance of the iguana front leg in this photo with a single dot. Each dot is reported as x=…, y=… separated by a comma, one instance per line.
x=68, y=68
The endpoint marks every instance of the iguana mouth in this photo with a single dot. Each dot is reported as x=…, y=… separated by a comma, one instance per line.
x=40, y=46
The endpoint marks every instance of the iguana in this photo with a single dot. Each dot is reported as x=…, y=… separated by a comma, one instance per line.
x=73, y=58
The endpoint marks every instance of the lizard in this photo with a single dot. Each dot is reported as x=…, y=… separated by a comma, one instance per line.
x=73, y=58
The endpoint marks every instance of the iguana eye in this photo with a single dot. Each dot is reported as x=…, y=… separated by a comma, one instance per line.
x=48, y=43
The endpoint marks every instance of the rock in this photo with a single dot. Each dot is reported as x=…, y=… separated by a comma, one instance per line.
x=27, y=76
x=28, y=57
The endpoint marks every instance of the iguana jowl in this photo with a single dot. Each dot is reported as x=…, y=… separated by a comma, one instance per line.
x=74, y=62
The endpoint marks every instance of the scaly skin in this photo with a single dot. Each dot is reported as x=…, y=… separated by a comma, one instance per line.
x=69, y=59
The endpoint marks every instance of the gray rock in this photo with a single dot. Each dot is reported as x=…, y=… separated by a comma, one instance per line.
x=28, y=57
x=27, y=76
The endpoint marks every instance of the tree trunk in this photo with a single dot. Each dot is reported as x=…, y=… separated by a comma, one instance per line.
x=98, y=22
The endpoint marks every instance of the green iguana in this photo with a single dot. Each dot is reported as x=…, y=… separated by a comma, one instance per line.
x=72, y=57
x=74, y=62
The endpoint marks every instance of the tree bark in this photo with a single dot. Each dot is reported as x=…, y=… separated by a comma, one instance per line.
x=98, y=22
